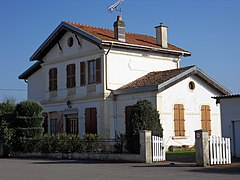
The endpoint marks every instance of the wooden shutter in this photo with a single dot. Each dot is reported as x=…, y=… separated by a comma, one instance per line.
x=128, y=116
x=91, y=120
x=87, y=120
x=71, y=82
x=82, y=73
x=98, y=70
x=179, y=125
x=53, y=79
x=206, y=118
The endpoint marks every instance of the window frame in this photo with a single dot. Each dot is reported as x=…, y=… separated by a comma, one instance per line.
x=94, y=71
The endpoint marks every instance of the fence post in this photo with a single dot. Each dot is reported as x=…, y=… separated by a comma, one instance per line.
x=202, y=148
x=146, y=146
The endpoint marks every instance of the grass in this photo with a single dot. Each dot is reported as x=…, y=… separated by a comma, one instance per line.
x=181, y=153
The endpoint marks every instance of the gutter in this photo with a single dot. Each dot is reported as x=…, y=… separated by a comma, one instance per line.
x=147, y=48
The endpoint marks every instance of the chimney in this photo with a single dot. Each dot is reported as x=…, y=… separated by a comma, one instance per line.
x=119, y=29
x=161, y=35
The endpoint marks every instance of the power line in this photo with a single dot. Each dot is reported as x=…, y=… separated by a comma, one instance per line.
x=13, y=90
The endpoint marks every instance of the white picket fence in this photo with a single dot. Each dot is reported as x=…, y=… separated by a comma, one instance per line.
x=158, y=149
x=220, y=152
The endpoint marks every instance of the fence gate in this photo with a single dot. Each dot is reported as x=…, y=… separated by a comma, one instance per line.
x=220, y=152
x=158, y=150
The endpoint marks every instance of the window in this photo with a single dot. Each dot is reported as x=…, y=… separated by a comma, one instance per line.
x=179, y=128
x=94, y=71
x=82, y=74
x=206, y=118
x=91, y=121
x=70, y=42
x=72, y=124
x=191, y=85
x=71, y=82
x=53, y=79
x=128, y=116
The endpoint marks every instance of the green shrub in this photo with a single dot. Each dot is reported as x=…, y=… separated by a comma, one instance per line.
x=26, y=122
x=144, y=117
x=28, y=109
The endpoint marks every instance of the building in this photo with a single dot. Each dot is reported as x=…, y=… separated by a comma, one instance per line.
x=230, y=118
x=87, y=79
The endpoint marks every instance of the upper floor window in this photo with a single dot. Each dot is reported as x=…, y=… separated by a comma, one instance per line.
x=71, y=81
x=94, y=71
x=53, y=79
x=179, y=125
x=82, y=74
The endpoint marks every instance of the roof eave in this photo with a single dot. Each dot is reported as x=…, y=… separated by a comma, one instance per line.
x=135, y=90
x=35, y=67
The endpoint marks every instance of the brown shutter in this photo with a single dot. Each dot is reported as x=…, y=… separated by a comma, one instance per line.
x=179, y=125
x=73, y=76
x=98, y=70
x=68, y=76
x=128, y=116
x=206, y=118
x=87, y=120
x=93, y=120
x=55, y=79
x=50, y=80
x=182, y=124
x=82, y=74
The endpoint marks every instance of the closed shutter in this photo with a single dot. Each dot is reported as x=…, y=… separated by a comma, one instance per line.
x=91, y=121
x=82, y=74
x=98, y=70
x=71, y=82
x=206, y=118
x=53, y=79
x=128, y=116
x=179, y=121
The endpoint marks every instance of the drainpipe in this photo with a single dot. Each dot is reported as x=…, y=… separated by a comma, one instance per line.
x=106, y=82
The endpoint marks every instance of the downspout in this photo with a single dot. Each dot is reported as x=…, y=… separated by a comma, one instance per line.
x=106, y=82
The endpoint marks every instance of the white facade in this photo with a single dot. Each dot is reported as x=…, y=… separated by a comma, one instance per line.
x=230, y=118
x=164, y=102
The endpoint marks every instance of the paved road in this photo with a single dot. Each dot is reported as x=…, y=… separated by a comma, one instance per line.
x=19, y=169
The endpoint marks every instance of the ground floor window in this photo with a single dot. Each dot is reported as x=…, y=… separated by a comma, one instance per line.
x=128, y=116
x=72, y=124
x=179, y=125
x=91, y=121
x=53, y=126
x=206, y=118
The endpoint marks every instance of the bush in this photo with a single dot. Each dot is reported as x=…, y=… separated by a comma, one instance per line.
x=26, y=122
x=144, y=117
x=28, y=109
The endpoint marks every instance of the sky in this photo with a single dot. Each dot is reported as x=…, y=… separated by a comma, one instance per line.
x=209, y=29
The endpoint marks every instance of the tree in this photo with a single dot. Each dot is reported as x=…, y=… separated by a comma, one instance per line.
x=144, y=117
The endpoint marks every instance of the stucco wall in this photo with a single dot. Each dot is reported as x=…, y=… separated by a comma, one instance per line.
x=192, y=101
x=35, y=88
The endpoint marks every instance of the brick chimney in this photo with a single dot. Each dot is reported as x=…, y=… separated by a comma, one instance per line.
x=119, y=29
x=161, y=35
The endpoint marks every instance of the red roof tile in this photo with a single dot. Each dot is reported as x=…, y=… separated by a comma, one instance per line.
x=155, y=78
x=131, y=38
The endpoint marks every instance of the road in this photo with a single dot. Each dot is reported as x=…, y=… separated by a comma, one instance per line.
x=36, y=169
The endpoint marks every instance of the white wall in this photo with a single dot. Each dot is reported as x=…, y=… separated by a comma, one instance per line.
x=35, y=90
x=125, y=66
x=192, y=101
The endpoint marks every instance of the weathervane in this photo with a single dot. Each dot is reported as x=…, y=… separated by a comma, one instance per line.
x=115, y=5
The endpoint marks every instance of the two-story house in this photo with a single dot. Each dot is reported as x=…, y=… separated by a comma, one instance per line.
x=87, y=79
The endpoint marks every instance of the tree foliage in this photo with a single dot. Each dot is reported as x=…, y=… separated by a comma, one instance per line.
x=144, y=117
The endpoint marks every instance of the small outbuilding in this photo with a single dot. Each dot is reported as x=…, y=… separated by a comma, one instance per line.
x=230, y=120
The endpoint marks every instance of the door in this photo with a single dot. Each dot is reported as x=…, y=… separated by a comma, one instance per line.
x=236, y=133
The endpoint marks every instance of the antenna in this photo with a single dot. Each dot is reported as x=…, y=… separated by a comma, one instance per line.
x=114, y=6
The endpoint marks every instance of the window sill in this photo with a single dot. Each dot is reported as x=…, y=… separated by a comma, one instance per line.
x=179, y=137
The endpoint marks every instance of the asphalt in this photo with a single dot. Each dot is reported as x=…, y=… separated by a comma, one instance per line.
x=41, y=169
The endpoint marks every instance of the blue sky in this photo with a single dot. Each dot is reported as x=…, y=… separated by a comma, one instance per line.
x=209, y=29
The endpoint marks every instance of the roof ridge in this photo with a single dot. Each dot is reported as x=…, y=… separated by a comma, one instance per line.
x=86, y=25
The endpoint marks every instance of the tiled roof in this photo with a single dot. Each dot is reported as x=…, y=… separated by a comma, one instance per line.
x=131, y=38
x=155, y=78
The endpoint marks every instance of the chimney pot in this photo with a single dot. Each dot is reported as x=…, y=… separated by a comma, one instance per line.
x=161, y=35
